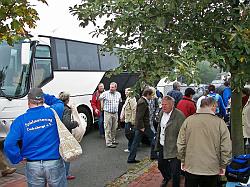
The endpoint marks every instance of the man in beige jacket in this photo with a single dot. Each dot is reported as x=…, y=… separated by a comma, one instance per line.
x=204, y=146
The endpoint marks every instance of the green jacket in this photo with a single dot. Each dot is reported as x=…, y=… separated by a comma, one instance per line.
x=204, y=144
x=171, y=133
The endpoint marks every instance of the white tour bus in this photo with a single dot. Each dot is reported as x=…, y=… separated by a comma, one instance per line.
x=55, y=65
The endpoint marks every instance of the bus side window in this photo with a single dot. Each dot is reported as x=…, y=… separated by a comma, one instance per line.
x=108, y=61
x=82, y=56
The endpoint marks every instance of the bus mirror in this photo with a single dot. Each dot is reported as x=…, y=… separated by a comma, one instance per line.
x=25, y=53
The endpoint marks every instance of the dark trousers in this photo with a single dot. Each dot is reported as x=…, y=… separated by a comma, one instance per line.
x=169, y=168
x=137, y=138
x=192, y=180
x=130, y=141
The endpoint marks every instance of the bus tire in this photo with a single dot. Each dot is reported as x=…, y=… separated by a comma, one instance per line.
x=86, y=115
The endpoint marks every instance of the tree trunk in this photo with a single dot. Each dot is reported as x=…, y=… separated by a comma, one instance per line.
x=236, y=123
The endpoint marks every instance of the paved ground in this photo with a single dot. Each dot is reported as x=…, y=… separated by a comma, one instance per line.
x=98, y=165
x=14, y=180
x=143, y=174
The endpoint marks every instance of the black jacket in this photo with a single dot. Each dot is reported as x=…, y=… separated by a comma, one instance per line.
x=66, y=119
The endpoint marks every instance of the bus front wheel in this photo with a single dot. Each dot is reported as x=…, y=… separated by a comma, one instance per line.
x=86, y=115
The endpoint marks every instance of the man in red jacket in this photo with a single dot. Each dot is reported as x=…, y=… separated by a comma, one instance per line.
x=97, y=106
x=186, y=105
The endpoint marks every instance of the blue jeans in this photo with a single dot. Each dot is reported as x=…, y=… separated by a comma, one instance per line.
x=137, y=138
x=39, y=173
x=127, y=126
x=67, y=166
x=169, y=168
x=100, y=123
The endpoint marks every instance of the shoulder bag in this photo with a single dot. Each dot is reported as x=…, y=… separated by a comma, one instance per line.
x=69, y=148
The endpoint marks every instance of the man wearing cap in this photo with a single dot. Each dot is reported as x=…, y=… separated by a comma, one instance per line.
x=40, y=142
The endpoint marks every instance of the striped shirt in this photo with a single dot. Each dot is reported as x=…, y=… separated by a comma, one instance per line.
x=110, y=101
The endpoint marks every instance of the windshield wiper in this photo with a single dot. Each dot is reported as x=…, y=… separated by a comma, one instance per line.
x=6, y=96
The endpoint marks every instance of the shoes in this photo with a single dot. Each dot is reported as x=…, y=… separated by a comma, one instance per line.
x=163, y=183
x=133, y=161
x=102, y=136
x=118, y=129
x=112, y=146
x=70, y=177
x=126, y=151
x=115, y=143
x=8, y=171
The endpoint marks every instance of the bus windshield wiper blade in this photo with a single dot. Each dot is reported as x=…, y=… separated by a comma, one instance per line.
x=2, y=93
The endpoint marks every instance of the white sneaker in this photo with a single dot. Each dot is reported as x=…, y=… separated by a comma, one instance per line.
x=126, y=151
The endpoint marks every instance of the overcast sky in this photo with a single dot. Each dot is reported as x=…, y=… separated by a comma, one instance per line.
x=55, y=20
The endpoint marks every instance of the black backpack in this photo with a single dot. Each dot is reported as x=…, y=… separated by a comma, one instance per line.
x=239, y=169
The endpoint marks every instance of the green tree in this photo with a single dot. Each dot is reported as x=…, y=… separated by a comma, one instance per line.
x=167, y=38
x=15, y=15
x=206, y=73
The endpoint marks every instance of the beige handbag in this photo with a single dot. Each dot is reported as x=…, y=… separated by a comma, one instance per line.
x=79, y=131
x=69, y=148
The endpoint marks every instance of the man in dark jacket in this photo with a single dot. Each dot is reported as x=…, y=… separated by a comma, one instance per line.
x=142, y=125
x=175, y=93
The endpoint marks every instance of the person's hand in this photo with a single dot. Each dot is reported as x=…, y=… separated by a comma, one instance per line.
x=222, y=172
x=132, y=123
x=96, y=111
x=143, y=129
x=22, y=162
x=78, y=124
x=182, y=166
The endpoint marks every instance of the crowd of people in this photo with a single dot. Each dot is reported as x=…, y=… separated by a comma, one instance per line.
x=180, y=130
x=184, y=135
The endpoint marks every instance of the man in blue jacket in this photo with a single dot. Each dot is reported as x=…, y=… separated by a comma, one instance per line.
x=225, y=92
x=175, y=93
x=40, y=141
x=220, y=107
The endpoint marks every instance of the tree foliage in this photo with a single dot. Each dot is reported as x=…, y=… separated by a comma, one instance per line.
x=167, y=38
x=167, y=35
x=15, y=15
x=207, y=73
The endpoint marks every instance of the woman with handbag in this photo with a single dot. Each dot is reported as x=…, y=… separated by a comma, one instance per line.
x=128, y=115
x=68, y=122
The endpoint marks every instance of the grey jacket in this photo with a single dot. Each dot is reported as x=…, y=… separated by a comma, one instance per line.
x=66, y=119
x=171, y=133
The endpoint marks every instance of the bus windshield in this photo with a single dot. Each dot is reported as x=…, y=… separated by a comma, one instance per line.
x=14, y=76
